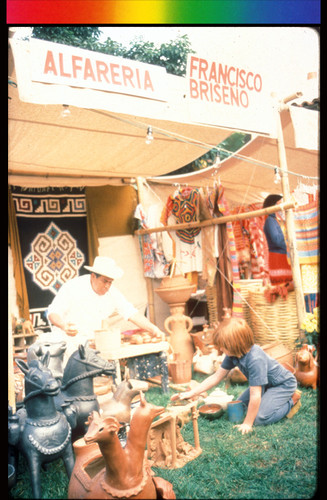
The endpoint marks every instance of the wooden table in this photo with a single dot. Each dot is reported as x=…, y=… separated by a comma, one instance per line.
x=152, y=354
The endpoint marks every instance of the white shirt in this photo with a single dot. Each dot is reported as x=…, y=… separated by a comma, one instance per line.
x=77, y=302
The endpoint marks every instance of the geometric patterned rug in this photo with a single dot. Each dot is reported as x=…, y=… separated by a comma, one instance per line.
x=53, y=236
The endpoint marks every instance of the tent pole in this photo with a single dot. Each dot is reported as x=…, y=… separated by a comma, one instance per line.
x=148, y=281
x=290, y=226
x=218, y=220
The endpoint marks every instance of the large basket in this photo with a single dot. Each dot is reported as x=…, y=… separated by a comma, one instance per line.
x=271, y=321
x=245, y=287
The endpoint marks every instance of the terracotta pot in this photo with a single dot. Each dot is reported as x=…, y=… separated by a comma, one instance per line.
x=178, y=326
x=181, y=371
x=175, y=290
x=88, y=462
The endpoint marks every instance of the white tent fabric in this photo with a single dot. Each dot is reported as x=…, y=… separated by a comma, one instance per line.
x=248, y=176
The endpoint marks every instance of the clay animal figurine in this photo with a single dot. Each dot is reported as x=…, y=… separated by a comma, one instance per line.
x=57, y=351
x=126, y=473
x=43, y=434
x=306, y=370
x=77, y=384
x=119, y=405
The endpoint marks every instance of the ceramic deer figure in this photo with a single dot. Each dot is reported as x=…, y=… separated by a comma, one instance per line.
x=126, y=473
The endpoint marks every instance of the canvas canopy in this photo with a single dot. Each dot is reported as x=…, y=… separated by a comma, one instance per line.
x=248, y=177
x=103, y=139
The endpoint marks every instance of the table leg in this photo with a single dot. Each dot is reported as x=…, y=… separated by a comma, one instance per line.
x=164, y=371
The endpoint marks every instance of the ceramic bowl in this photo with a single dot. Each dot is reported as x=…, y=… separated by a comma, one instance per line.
x=211, y=411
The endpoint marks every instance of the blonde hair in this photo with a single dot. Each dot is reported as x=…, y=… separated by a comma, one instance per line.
x=234, y=335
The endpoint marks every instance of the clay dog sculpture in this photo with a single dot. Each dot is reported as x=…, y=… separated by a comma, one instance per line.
x=306, y=371
x=123, y=472
x=38, y=430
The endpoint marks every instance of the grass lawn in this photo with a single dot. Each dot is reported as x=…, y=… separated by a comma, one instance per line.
x=276, y=461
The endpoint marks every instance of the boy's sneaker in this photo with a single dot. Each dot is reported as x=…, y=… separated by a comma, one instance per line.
x=297, y=403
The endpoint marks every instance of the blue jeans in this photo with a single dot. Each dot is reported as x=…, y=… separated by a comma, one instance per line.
x=275, y=404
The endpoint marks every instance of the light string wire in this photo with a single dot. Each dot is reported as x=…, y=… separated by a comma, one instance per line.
x=201, y=144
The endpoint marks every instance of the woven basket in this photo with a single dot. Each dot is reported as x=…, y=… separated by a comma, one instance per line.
x=271, y=321
x=245, y=287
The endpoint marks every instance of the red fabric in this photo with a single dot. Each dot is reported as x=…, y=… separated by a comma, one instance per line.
x=279, y=269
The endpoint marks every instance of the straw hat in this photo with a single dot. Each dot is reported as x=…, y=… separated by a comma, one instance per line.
x=106, y=267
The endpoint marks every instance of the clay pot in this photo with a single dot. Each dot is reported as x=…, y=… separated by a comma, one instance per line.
x=178, y=326
x=175, y=290
x=181, y=371
x=211, y=411
x=88, y=462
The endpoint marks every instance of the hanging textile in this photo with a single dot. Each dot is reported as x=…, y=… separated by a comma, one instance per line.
x=53, y=238
x=209, y=243
x=306, y=220
x=14, y=243
x=181, y=208
x=250, y=241
x=154, y=261
x=227, y=264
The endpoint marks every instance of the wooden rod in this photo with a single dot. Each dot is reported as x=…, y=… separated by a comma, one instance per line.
x=148, y=281
x=290, y=225
x=218, y=220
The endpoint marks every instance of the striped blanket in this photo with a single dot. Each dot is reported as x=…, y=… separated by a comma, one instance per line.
x=306, y=220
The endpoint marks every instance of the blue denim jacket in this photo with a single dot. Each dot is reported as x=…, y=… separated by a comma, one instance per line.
x=259, y=368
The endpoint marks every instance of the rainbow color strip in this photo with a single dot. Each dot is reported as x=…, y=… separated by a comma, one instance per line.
x=163, y=12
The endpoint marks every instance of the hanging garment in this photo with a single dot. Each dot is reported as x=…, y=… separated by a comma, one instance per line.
x=227, y=264
x=306, y=220
x=181, y=208
x=279, y=269
x=154, y=261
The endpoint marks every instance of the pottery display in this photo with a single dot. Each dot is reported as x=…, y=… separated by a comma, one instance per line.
x=306, y=370
x=126, y=472
x=38, y=430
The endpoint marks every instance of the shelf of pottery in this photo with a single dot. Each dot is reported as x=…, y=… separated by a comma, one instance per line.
x=23, y=336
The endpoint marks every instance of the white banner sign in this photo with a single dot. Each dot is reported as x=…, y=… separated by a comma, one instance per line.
x=229, y=95
x=64, y=65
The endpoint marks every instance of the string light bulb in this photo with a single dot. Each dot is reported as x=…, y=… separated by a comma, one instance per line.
x=149, y=136
x=65, y=112
x=277, y=177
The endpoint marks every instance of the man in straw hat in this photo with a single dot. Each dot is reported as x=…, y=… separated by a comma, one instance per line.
x=84, y=302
